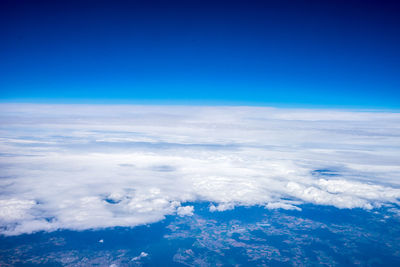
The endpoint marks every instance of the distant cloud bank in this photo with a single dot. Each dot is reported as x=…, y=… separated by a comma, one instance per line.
x=91, y=166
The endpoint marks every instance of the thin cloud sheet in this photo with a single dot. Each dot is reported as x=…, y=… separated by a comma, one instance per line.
x=92, y=166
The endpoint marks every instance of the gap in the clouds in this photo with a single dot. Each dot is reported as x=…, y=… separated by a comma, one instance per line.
x=325, y=172
x=111, y=201
x=185, y=239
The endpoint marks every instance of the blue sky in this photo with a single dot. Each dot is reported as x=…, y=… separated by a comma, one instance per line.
x=289, y=53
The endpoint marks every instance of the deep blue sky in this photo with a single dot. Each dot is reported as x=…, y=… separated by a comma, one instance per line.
x=307, y=53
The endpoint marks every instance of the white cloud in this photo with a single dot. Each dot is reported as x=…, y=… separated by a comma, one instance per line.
x=15, y=210
x=185, y=211
x=93, y=166
x=281, y=205
x=222, y=207
x=142, y=255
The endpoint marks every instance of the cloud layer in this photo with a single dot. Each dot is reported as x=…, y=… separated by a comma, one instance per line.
x=92, y=166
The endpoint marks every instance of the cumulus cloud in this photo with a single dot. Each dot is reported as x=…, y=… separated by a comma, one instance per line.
x=185, y=211
x=92, y=166
x=222, y=207
x=281, y=205
x=142, y=255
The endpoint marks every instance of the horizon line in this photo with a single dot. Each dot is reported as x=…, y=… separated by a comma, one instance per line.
x=197, y=103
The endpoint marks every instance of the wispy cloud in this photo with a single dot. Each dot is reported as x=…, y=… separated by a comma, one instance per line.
x=91, y=166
